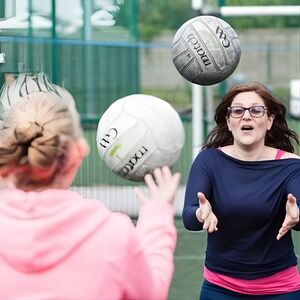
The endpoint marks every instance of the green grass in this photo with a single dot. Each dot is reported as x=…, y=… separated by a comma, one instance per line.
x=189, y=255
x=179, y=98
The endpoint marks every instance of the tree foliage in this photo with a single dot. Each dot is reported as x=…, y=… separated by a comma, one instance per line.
x=264, y=21
x=157, y=16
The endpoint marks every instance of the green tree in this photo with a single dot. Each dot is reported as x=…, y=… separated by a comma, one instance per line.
x=263, y=21
x=157, y=16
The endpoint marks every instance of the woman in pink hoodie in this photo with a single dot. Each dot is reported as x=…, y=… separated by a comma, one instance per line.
x=55, y=244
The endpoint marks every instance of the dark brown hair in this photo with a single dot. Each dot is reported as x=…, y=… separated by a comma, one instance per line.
x=279, y=136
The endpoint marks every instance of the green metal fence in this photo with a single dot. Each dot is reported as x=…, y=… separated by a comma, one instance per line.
x=96, y=74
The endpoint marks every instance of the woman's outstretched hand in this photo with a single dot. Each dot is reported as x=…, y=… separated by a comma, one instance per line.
x=162, y=186
x=291, y=217
x=205, y=214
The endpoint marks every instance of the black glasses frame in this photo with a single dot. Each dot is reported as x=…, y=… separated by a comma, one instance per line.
x=249, y=110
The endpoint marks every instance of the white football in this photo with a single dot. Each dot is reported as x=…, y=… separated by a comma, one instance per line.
x=206, y=50
x=138, y=133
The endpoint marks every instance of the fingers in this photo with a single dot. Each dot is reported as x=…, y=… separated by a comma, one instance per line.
x=176, y=180
x=205, y=208
x=162, y=184
x=164, y=177
x=292, y=208
x=291, y=217
x=205, y=214
x=150, y=182
x=160, y=176
x=282, y=231
x=210, y=224
x=202, y=198
x=292, y=199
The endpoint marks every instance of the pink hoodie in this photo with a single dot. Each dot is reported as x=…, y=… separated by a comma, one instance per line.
x=56, y=245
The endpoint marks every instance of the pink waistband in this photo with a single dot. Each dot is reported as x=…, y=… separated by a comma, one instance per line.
x=284, y=281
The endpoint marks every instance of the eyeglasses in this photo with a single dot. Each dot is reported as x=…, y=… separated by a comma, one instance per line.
x=255, y=111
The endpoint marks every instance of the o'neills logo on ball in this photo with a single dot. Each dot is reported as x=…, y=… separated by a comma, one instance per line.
x=197, y=47
x=133, y=161
x=111, y=134
x=223, y=37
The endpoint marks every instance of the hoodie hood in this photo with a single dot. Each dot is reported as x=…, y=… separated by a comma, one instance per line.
x=39, y=229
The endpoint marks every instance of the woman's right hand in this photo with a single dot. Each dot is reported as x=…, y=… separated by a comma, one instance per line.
x=205, y=214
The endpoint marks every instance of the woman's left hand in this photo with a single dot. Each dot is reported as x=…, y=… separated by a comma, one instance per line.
x=291, y=217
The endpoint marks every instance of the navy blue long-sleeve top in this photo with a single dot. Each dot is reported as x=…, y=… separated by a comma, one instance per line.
x=249, y=199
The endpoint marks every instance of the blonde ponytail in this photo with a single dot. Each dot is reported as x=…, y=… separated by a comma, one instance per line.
x=36, y=132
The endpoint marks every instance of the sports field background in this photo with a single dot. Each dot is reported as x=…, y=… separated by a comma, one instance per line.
x=100, y=64
x=189, y=258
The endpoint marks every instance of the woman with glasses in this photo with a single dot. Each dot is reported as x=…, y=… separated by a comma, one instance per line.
x=244, y=190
